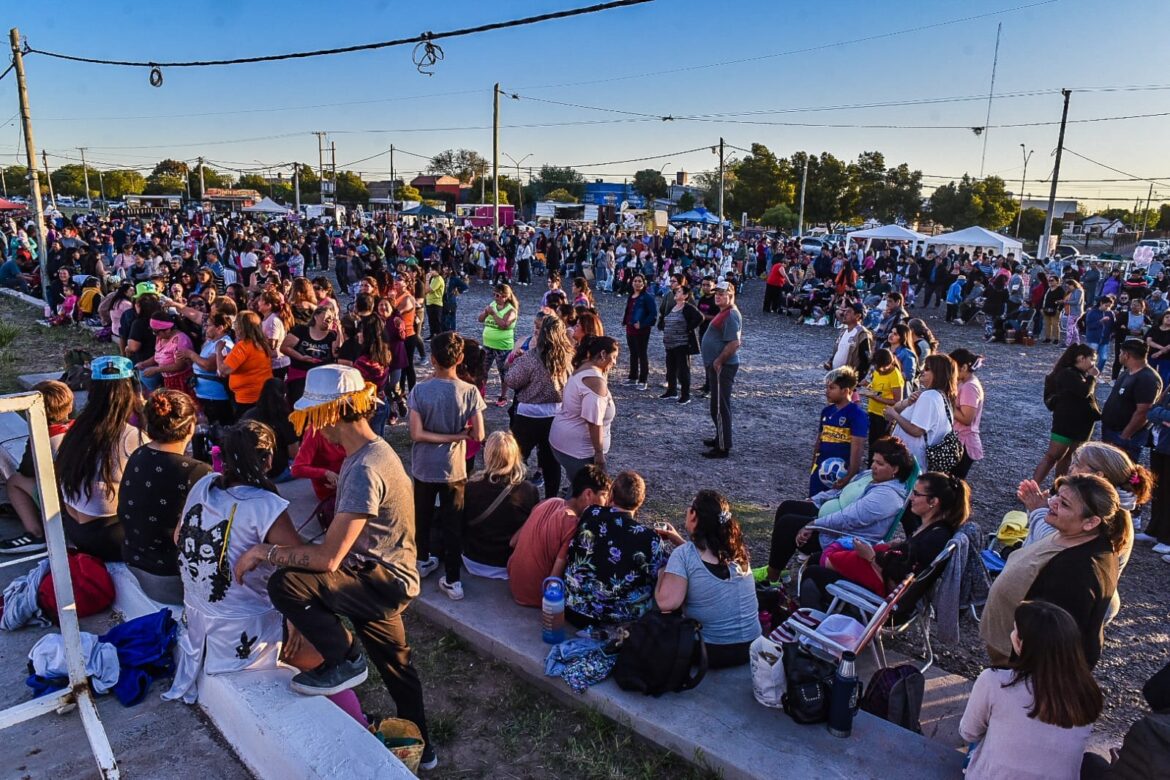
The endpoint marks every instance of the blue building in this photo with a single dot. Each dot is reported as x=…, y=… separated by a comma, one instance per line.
x=604, y=193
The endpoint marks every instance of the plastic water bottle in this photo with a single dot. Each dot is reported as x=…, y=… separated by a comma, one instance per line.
x=216, y=460
x=552, y=611
x=843, y=698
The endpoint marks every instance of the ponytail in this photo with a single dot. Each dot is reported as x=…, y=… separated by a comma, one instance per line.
x=246, y=449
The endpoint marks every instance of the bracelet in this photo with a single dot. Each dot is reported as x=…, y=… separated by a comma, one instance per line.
x=268, y=557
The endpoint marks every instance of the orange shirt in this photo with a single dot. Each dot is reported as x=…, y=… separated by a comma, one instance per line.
x=544, y=537
x=407, y=316
x=251, y=368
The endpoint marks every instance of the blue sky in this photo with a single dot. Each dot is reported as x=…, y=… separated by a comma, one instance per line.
x=611, y=60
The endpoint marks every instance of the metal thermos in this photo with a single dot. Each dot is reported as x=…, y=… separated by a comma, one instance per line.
x=843, y=698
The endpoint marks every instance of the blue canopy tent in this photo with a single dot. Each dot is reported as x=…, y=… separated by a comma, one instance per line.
x=699, y=214
x=423, y=210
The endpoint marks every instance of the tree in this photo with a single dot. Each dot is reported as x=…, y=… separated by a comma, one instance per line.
x=170, y=167
x=407, y=192
x=902, y=195
x=561, y=195
x=969, y=202
x=70, y=180
x=120, y=182
x=708, y=185
x=779, y=216
x=686, y=202
x=16, y=179
x=650, y=184
x=463, y=164
x=761, y=181
x=825, y=196
x=351, y=188
x=1164, y=215
x=1032, y=224
x=254, y=181
x=552, y=177
x=212, y=179
x=164, y=184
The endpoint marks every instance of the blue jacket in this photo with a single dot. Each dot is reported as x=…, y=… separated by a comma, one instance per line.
x=955, y=294
x=644, y=313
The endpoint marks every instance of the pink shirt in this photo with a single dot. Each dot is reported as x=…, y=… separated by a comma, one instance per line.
x=971, y=394
x=167, y=350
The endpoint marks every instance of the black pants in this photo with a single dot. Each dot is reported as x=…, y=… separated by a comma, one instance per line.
x=964, y=466
x=639, y=346
x=341, y=268
x=814, y=586
x=532, y=432
x=449, y=517
x=879, y=426
x=101, y=538
x=791, y=517
x=434, y=319
x=373, y=600
x=1159, y=525
x=524, y=271
x=678, y=371
x=721, y=383
x=772, y=298
x=217, y=412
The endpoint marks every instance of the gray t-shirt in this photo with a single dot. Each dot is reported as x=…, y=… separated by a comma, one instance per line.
x=722, y=331
x=373, y=482
x=727, y=609
x=446, y=406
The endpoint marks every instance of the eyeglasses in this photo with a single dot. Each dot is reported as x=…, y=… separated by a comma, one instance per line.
x=921, y=494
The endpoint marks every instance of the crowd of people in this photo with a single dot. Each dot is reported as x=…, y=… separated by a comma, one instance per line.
x=250, y=353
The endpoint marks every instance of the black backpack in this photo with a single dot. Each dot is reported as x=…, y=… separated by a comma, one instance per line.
x=809, y=682
x=661, y=653
x=895, y=694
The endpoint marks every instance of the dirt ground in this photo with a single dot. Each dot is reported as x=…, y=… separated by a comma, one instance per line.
x=777, y=397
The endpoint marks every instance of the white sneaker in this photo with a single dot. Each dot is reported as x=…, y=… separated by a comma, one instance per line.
x=1141, y=537
x=1166, y=558
x=1162, y=549
x=427, y=567
x=454, y=590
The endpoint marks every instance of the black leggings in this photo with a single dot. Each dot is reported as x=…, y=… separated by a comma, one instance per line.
x=532, y=432
x=101, y=538
x=639, y=346
x=814, y=586
x=724, y=656
x=791, y=517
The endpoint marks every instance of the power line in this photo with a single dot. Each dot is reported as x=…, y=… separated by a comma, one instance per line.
x=1115, y=170
x=424, y=39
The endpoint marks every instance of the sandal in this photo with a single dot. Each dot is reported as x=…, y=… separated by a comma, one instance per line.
x=501, y=402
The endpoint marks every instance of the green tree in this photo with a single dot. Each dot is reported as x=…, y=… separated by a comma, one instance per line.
x=708, y=185
x=561, y=195
x=1164, y=215
x=761, y=181
x=902, y=194
x=16, y=179
x=254, y=181
x=650, y=184
x=463, y=164
x=779, y=216
x=121, y=182
x=969, y=202
x=165, y=184
x=70, y=180
x=552, y=177
x=351, y=188
x=170, y=167
x=212, y=179
x=826, y=192
x=686, y=202
x=407, y=192
x=1031, y=224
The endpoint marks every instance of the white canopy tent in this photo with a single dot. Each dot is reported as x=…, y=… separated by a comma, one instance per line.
x=266, y=206
x=888, y=233
x=977, y=236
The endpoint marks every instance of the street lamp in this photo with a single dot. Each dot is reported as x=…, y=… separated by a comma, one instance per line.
x=519, y=184
x=1023, y=177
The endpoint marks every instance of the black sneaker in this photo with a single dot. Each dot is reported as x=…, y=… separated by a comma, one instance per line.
x=326, y=680
x=25, y=543
x=715, y=452
x=684, y=401
x=430, y=759
x=710, y=442
x=668, y=394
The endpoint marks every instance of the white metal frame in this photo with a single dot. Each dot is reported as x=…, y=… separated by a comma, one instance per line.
x=77, y=693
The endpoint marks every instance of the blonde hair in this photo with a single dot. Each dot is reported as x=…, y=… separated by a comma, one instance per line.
x=502, y=461
x=1116, y=467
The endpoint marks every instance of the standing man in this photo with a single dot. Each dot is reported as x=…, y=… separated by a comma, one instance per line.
x=364, y=569
x=855, y=345
x=1123, y=420
x=720, y=350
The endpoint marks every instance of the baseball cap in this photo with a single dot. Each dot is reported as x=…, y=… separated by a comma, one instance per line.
x=144, y=288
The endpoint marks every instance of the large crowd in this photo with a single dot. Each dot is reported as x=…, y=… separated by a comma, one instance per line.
x=250, y=353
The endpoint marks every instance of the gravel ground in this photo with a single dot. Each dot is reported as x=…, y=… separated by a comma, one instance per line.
x=777, y=398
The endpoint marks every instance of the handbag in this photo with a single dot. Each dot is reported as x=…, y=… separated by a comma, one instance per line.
x=493, y=506
x=946, y=454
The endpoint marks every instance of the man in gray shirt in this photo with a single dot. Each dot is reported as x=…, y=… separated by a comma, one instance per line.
x=445, y=412
x=720, y=351
x=364, y=569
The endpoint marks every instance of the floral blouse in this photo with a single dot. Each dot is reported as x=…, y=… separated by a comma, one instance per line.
x=612, y=566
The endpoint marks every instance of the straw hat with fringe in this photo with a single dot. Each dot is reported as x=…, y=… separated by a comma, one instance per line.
x=329, y=392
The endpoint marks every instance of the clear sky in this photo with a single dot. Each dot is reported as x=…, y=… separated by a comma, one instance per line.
x=647, y=59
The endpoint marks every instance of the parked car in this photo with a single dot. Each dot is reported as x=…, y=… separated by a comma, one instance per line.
x=811, y=246
x=1065, y=251
x=1160, y=245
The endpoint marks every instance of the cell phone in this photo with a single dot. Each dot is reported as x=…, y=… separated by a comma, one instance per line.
x=661, y=526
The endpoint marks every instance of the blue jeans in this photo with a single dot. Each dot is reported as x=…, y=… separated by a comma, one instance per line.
x=1102, y=351
x=1131, y=447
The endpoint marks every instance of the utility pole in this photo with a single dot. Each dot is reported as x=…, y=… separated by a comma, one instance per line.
x=391, y=203
x=297, y=186
x=990, y=95
x=30, y=151
x=720, y=186
x=49, y=178
x=202, y=186
x=4, y=182
x=496, y=160
x=84, y=171
x=803, y=184
x=1043, y=249
x=102, y=190
x=333, y=164
x=321, y=164
x=1146, y=215
x=1023, y=179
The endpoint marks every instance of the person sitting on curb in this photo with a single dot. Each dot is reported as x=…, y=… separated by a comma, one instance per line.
x=541, y=546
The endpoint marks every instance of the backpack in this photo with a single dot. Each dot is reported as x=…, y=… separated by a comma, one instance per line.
x=661, y=653
x=809, y=681
x=76, y=374
x=895, y=694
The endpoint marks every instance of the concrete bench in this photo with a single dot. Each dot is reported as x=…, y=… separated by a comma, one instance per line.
x=276, y=733
x=719, y=724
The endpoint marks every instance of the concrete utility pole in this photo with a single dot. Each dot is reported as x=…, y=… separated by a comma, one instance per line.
x=4, y=182
x=30, y=151
x=803, y=184
x=990, y=95
x=519, y=184
x=1146, y=214
x=321, y=163
x=84, y=170
x=49, y=178
x=390, y=205
x=297, y=186
x=102, y=191
x=721, y=185
x=1043, y=249
x=496, y=159
x=1023, y=179
x=333, y=163
x=202, y=186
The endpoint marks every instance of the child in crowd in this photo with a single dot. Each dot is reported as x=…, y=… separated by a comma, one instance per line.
x=68, y=306
x=883, y=389
x=841, y=436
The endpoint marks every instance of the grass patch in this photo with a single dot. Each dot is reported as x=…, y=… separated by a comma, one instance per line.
x=28, y=347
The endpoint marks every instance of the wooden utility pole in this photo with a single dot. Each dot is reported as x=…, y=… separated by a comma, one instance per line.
x=85, y=172
x=49, y=178
x=333, y=165
x=321, y=163
x=496, y=160
x=30, y=150
x=297, y=186
x=803, y=185
x=1146, y=214
x=1043, y=248
x=202, y=186
x=721, y=185
x=390, y=205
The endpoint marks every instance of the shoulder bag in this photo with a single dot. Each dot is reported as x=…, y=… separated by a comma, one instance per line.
x=946, y=454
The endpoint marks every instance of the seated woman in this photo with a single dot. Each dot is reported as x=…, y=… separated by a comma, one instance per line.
x=1046, y=697
x=230, y=621
x=319, y=461
x=865, y=507
x=613, y=560
x=154, y=487
x=273, y=410
x=496, y=502
x=942, y=502
x=93, y=455
x=1074, y=568
x=710, y=579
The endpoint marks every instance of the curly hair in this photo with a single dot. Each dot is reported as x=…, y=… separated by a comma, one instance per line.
x=716, y=530
x=555, y=349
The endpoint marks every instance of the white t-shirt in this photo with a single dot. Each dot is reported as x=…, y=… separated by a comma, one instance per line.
x=929, y=413
x=275, y=331
x=229, y=626
x=248, y=260
x=99, y=499
x=843, y=344
x=580, y=406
